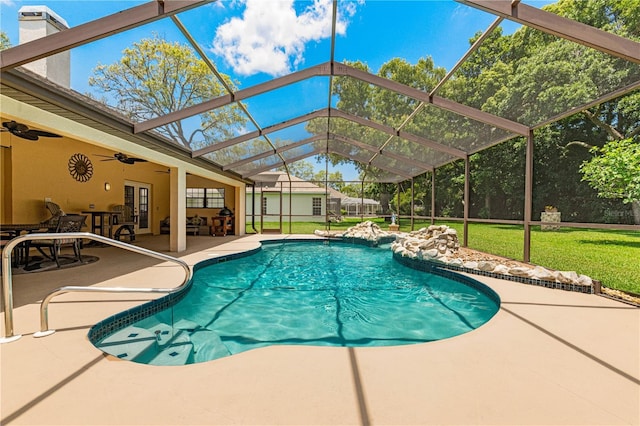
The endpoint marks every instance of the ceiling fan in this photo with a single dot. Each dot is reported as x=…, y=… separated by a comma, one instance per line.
x=123, y=158
x=23, y=131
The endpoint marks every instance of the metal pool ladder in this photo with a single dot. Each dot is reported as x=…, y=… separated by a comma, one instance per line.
x=7, y=283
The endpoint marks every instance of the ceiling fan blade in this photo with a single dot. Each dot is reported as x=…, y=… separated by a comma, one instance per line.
x=43, y=133
x=14, y=126
x=138, y=160
x=26, y=135
x=23, y=131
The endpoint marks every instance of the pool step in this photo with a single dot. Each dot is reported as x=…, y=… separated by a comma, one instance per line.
x=128, y=343
x=209, y=345
x=176, y=351
x=161, y=344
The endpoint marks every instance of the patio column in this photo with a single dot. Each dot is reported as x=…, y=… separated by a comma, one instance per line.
x=528, y=197
x=178, y=209
x=239, y=211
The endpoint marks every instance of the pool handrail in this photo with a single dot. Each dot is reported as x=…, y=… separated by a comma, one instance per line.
x=7, y=283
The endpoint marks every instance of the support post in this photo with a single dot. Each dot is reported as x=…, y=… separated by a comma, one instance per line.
x=398, y=202
x=362, y=200
x=467, y=172
x=291, y=205
x=262, y=210
x=412, y=204
x=326, y=193
x=528, y=197
x=433, y=196
x=282, y=206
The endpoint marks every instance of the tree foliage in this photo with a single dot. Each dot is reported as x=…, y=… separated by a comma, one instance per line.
x=301, y=169
x=615, y=170
x=528, y=76
x=155, y=77
x=5, y=43
x=304, y=170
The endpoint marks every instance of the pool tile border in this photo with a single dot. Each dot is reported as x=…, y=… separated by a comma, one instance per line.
x=125, y=318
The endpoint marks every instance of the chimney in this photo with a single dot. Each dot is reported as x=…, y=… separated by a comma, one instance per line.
x=40, y=21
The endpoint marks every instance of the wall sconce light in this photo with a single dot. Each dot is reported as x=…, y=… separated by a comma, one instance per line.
x=107, y=186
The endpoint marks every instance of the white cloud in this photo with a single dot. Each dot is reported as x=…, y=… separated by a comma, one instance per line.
x=7, y=2
x=270, y=36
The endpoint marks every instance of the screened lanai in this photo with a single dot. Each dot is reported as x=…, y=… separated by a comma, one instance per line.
x=296, y=80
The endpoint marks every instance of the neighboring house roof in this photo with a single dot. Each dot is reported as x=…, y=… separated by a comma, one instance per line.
x=345, y=200
x=349, y=201
x=275, y=181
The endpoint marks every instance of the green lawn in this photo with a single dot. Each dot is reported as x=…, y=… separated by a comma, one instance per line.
x=612, y=257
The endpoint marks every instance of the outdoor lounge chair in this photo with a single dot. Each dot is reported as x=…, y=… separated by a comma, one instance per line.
x=66, y=223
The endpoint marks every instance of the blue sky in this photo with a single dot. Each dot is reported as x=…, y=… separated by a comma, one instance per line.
x=239, y=38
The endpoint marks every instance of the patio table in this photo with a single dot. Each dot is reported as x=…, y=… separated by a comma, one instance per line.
x=15, y=230
x=102, y=221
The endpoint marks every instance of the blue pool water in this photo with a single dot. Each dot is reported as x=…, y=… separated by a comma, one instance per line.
x=304, y=293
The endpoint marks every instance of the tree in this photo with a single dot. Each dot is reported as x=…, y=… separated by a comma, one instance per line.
x=614, y=171
x=301, y=169
x=352, y=190
x=335, y=179
x=155, y=77
x=530, y=76
x=5, y=43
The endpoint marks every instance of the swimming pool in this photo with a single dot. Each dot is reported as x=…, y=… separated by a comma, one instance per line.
x=304, y=293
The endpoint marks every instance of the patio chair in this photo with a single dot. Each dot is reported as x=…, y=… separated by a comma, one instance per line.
x=66, y=223
x=126, y=222
x=56, y=212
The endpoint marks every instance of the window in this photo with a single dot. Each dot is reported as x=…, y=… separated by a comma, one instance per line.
x=316, y=204
x=205, y=198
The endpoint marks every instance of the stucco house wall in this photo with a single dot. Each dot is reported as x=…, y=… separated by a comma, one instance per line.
x=300, y=206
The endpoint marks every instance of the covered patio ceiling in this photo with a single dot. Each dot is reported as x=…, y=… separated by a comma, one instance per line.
x=441, y=127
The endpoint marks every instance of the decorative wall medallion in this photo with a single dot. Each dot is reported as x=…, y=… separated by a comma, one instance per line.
x=80, y=167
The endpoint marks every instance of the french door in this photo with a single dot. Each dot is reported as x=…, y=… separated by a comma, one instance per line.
x=137, y=195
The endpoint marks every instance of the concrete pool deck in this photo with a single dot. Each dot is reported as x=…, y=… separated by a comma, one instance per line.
x=548, y=357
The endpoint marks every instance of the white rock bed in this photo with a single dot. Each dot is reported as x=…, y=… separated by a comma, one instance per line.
x=367, y=231
x=439, y=243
